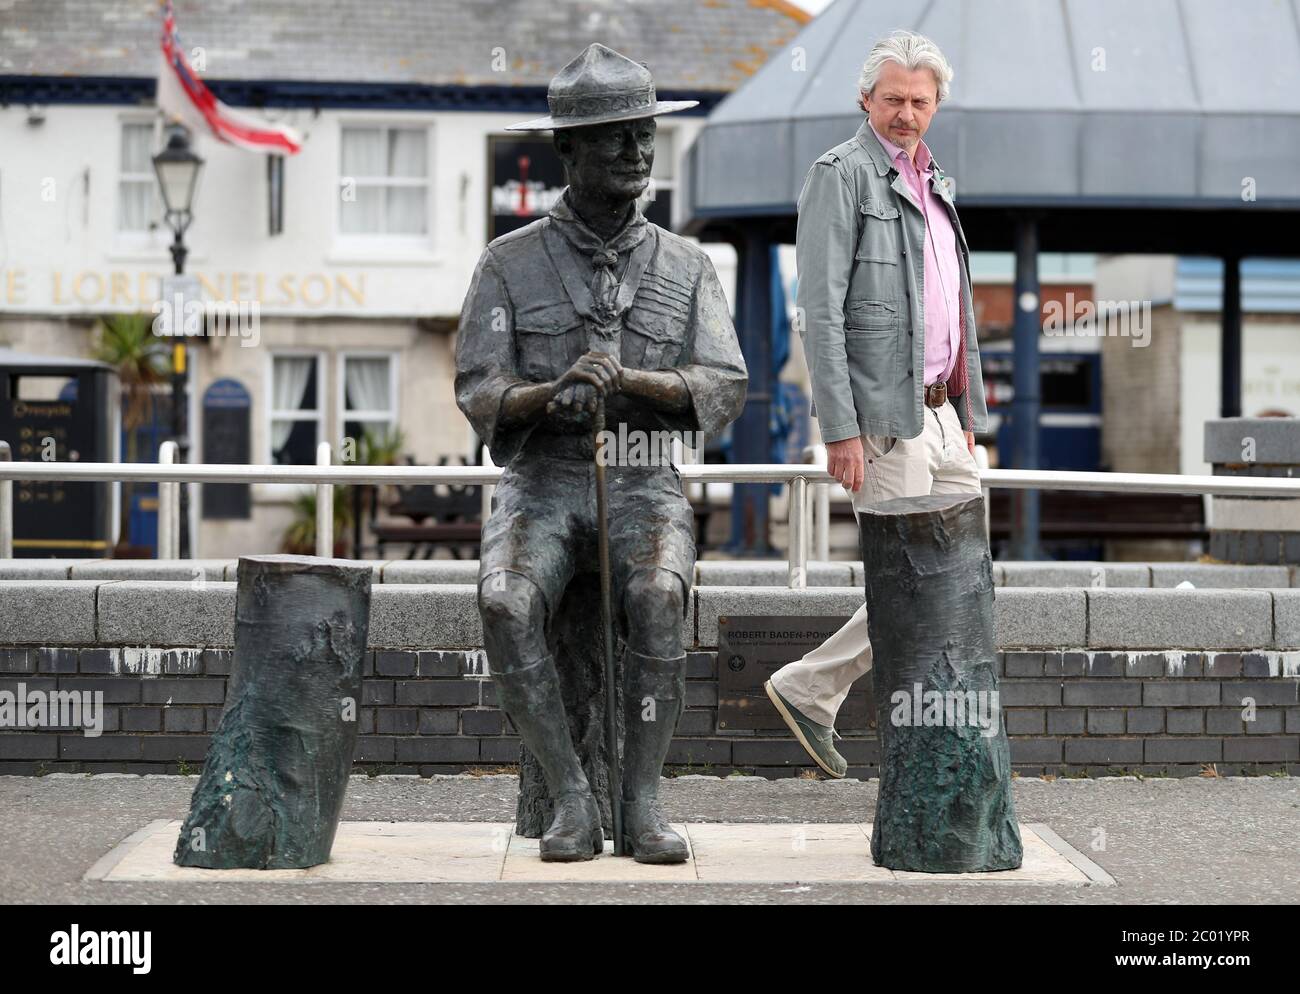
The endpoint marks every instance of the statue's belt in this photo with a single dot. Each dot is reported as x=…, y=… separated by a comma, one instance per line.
x=583, y=446
x=561, y=446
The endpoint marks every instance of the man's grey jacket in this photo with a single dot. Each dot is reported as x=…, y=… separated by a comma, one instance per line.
x=860, y=255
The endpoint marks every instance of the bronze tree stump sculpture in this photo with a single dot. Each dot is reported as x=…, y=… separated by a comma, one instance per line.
x=273, y=781
x=945, y=802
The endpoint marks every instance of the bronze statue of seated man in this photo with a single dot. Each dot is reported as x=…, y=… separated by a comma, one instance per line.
x=589, y=304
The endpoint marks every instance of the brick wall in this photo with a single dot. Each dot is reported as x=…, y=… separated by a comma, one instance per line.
x=433, y=712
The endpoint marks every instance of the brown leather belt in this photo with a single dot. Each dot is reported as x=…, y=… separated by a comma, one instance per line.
x=936, y=394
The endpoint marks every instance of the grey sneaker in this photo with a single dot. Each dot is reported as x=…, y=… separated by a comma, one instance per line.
x=816, y=739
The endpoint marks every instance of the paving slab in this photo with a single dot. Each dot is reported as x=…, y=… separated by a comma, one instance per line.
x=524, y=865
x=446, y=852
x=785, y=853
x=441, y=852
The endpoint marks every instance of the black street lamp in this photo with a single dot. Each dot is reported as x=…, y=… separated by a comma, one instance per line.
x=177, y=168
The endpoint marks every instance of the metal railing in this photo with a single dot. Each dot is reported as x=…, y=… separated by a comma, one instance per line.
x=809, y=518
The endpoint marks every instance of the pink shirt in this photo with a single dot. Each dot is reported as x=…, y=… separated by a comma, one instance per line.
x=942, y=276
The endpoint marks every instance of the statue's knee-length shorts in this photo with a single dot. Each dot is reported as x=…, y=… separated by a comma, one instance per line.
x=544, y=524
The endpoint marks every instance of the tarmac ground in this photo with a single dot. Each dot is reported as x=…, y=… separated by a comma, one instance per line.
x=1170, y=841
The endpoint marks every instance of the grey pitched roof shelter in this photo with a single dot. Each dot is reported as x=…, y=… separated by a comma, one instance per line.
x=1088, y=110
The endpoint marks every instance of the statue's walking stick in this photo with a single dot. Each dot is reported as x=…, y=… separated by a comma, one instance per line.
x=607, y=630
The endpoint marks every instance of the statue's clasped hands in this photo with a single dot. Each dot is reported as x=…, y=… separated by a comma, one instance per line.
x=594, y=375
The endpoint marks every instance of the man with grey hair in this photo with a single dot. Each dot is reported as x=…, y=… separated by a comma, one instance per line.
x=884, y=305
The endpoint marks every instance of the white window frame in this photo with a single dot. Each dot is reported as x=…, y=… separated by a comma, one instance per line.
x=273, y=415
x=364, y=247
x=149, y=240
x=392, y=417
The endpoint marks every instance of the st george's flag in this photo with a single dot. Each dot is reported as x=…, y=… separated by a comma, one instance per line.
x=183, y=95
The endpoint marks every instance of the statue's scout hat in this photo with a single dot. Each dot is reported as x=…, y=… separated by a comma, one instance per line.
x=598, y=87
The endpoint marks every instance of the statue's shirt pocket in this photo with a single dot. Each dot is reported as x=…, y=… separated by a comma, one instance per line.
x=656, y=324
x=548, y=340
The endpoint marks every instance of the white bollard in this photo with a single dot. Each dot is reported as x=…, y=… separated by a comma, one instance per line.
x=798, y=533
x=169, y=526
x=6, y=508
x=487, y=489
x=982, y=461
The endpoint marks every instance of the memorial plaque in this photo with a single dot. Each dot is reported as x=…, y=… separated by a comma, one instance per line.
x=751, y=648
x=226, y=439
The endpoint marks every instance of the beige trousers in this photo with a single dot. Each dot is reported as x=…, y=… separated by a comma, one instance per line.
x=935, y=462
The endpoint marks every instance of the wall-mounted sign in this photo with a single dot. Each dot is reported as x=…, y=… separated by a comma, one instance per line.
x=227, y=407
x=752, y=648
x=136, y=290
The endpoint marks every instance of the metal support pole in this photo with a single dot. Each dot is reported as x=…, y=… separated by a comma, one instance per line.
x=1230, y=340
x=1027, y=401
x=168, y=494
x=487, y=490
x=822, y=498
x=751, y=435
x=819, y=526
x=607, y=634
x=808, y=522
x=180, y=431
x=798, y=537
x=6, y=508
x=982, y=461
x=324, y=507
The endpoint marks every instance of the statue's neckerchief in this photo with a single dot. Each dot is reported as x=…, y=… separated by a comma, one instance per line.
x=606, y=299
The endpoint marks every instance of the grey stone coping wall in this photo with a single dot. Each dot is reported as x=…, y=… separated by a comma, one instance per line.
x=414, y=615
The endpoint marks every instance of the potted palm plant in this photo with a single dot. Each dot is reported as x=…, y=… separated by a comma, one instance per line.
x=300, y=537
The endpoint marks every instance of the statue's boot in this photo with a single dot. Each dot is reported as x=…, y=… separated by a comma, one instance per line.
x=654, y=695
x=531, y=697
x=575, y=831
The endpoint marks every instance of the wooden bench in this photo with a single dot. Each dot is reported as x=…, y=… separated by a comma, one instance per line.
x=1093, y=515
x=439, y=516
